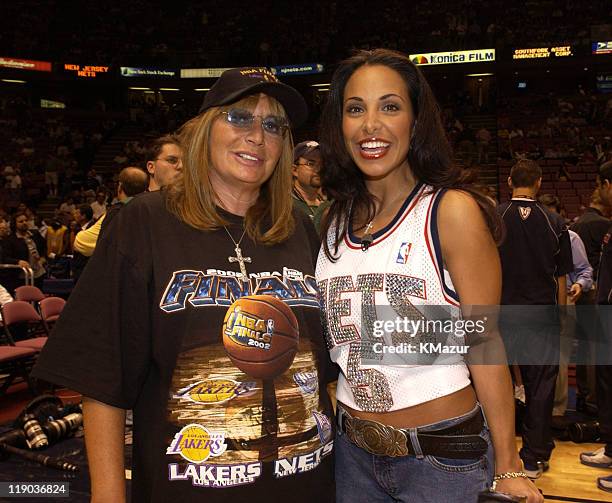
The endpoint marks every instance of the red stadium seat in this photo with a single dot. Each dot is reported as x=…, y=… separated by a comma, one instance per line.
x=572, y=210
x=563, y=185
x=23, y=326
x=547, y=187
x=50, y=310
x=16, y=362
x=583, y=186
x=29, y=293
x=564, y=193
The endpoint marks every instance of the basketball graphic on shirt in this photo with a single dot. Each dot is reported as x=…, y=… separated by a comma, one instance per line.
x=209, y=390
x=260, y=335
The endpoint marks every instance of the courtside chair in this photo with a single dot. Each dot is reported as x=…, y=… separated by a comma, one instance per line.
x=29, y=293
x=16, y=362
x=23, y=326
x=50, y=310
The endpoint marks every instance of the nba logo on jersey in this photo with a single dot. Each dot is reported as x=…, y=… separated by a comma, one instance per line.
x=402, y=254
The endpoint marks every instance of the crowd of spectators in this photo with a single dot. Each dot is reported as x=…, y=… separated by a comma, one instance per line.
x=569, y=135
x=220, y=31
x=45, y=154
x=553, y=126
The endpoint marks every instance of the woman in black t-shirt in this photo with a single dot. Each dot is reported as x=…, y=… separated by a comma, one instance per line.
x=143, y=329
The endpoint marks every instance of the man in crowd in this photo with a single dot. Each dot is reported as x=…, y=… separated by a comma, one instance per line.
x=99, y=205
x=163, y=158
x=579, y=282
x=602, y=458
x=26, y=247
x=8, y=277
x=591, y=227
x=535, y=256
x=83, y=216
x=483, y=138
x=132, y=181
x=307, y=182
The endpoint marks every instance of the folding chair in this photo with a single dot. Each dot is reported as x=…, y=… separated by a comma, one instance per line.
x=16, y=362
x=29, y=293
x=50, y=310
x=23, y=326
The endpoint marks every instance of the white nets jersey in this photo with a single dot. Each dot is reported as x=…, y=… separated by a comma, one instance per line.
x=400, y=273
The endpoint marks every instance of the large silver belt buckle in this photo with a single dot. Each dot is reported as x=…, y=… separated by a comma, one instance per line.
x=378, y=439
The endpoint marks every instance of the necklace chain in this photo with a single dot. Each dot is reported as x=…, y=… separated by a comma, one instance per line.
x=232, y=237
x=241, y=259
x=367, y=238
x=371, y=222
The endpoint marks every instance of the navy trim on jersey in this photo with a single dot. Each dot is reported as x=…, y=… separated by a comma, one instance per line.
x=357, y=241
x=435, y=237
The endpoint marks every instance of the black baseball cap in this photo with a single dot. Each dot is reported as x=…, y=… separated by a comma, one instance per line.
x=237, y=83
x=304, y=149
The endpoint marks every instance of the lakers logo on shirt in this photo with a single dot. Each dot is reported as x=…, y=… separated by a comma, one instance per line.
x=215, y=390
x=196, y=444
x=402, y=254
x=247, y=329
x=524, y=212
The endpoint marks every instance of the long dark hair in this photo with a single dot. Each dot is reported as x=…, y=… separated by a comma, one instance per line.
x=430, y=156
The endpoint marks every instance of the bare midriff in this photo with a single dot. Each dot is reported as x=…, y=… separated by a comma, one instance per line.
x=453, y=405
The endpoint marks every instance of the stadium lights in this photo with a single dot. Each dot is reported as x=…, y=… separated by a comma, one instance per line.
x=479, y=74
x=203, y=89
x=14, y=81
x=140, y=88
x=320, y=85
x=322, y=90
x=168, y=89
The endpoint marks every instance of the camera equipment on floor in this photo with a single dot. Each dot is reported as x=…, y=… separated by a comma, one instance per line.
x=43, y=422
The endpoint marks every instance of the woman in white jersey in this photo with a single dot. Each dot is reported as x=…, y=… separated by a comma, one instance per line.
x=399, y=239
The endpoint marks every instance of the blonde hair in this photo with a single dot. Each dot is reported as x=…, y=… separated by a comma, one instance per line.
x=193, y=200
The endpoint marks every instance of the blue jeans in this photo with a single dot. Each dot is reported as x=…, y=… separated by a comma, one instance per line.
x=364, y=477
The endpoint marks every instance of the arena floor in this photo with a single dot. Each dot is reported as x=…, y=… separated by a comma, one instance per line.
x=566, y=481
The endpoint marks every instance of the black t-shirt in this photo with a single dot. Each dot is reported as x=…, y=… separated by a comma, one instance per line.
x=604, y=286
x=592, y=227
x=536, y=250
x=142, y=330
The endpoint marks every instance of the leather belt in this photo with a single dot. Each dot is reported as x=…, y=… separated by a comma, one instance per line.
x=461, y=441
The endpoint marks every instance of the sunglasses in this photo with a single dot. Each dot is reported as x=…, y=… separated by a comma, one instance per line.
x=244, y=119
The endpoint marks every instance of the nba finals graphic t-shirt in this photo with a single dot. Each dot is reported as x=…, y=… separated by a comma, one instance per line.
x=226, y=374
